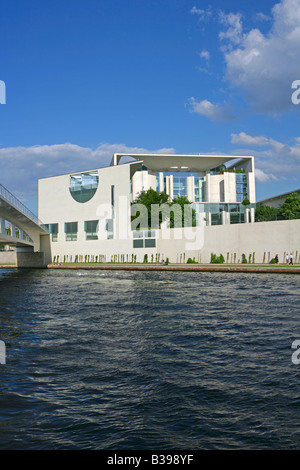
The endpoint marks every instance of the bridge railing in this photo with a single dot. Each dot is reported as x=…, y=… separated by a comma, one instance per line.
x=9, y=197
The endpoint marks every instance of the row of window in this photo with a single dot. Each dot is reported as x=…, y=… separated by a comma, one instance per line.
x=141, y=239
x=180, y=185
x=71, y=230
x=144, y=239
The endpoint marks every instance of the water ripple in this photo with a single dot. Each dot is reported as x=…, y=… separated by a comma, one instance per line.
x=145, y=360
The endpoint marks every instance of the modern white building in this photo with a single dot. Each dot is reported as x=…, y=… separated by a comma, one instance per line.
x=88, y=213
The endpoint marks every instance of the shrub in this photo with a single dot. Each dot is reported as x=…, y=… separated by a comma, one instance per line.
x=190, y=261
x=244, y=259
x=214, y=259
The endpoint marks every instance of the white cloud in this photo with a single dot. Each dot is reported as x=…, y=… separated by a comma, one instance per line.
x=202, y=14
x=215, y=112
x=263, y=177
x=261, y=66
x=258, y=141
x=233, y=21
x=273, y=159
x=262, y=17
x=264, y=65
x=21, y=167
x=205, y=55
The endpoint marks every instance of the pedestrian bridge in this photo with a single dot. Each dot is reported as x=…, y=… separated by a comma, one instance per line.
x=20, y=229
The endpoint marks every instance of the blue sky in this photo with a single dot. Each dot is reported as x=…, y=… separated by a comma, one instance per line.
x=87, y=78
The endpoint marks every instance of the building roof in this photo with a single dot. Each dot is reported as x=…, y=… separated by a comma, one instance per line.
x=279, y=197
x=179, y=162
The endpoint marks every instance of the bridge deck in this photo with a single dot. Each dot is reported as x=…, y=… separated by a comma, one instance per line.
x=14, y=211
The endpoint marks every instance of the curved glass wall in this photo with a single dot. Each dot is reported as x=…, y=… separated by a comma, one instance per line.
x=84, y=185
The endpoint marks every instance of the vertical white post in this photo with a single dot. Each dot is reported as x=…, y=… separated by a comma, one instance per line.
x=2, y=225
x=2, y=353
x=13, y=230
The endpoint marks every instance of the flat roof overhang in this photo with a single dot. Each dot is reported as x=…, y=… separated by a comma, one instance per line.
x=177, y=162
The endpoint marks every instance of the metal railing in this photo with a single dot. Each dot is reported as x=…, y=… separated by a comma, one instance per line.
x=9, y=197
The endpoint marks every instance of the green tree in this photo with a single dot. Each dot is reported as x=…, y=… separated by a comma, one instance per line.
x=147, y=199
x=246, y=202
x=290, y=209
x=175, y=211
x=185, y=216
x=265, y=213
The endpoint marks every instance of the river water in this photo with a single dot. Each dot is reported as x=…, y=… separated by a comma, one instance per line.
x=149, y=360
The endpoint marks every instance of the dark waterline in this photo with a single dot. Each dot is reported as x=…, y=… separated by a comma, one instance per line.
x=148, y=360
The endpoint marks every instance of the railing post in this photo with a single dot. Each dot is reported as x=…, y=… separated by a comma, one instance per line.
x=2, y=225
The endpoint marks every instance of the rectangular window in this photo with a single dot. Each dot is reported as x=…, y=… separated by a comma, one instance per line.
x=144, y=239
x=71, y=229
x=112, y=195
x=53, y=229
x=241, y=187
x=91, y=229
x=199, y=189
x=109, y=228
x=138, y=234
x=150, y=243
x=138, y=243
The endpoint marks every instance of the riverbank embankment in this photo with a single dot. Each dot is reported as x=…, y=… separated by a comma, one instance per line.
x=259, y=268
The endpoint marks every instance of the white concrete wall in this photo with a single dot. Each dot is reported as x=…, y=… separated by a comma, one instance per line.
x=262, y=240
x=142, y=181
x=215, y=188
x=265, y=239
x=229, y=187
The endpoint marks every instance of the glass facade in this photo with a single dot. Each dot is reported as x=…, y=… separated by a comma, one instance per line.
x=180, y=184
x=83, y=186
x=236, y=211
x=241, y=187
x=199, y=189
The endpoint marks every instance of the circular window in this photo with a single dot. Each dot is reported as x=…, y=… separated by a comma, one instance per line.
x=84, y=185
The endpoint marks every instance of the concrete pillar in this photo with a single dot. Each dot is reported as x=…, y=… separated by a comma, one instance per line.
x=161, y=182
x=169, y=186
x=190, y=183
x=13, y=230
x=225, y=218
x=223, y=214
x=2, y=225
x=247, y=216
x=252, y=213
x=251, y=187
x=207, y=187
